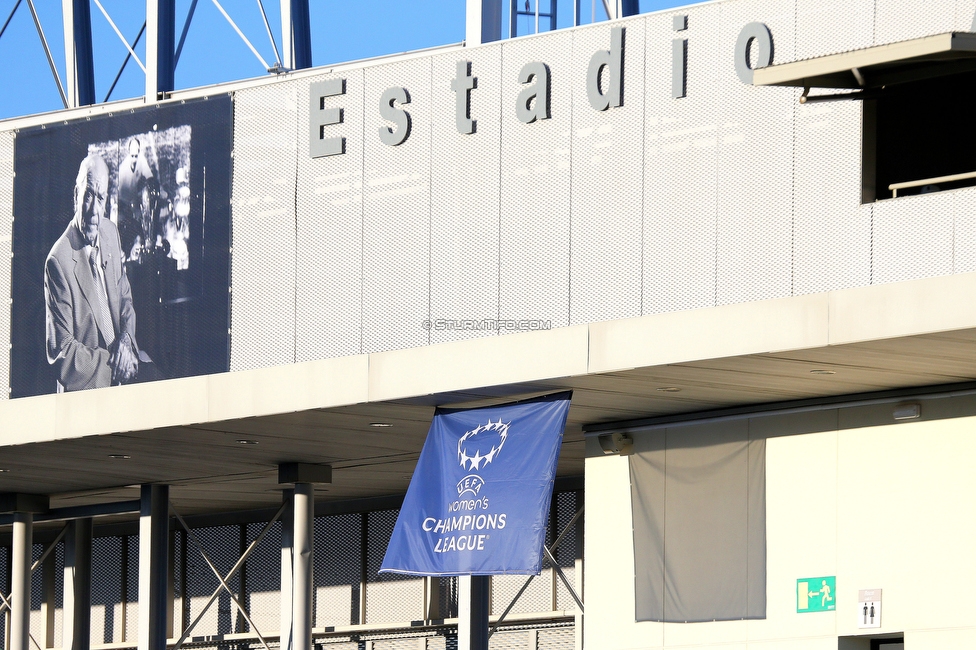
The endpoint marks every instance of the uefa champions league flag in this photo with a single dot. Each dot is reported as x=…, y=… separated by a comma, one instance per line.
x=478, y=502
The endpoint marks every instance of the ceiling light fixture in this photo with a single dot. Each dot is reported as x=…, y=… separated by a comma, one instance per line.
x=119, y=456
x=380, y=425
x=244, y=441
x=822, y=372
x=669, y=389
x=907, y=412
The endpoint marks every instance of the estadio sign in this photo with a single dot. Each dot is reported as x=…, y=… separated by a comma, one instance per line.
x=604, y=89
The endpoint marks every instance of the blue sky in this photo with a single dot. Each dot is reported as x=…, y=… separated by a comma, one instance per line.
x=213, y=53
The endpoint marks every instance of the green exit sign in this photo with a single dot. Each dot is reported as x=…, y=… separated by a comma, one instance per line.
x=816, y=594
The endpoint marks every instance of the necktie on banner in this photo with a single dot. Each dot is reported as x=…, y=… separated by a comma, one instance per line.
x=104, y=318
x=478, y=502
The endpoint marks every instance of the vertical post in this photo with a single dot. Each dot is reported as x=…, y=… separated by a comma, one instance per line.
x=79, y=64
x=296, y=35
x=303, y=541
x=160, y=47
x=473, y=598
x=184, y=598
x=482, y=21
x=6, y=589
x=170, y=583
x=48, y=599
x=578, y=554
x=287, y=566
x=20, y=582
x=240, y=624
x=77, y=585
x=124, y=589
x=551, y=535
x=363, y=564
x=153, y=547
x=629, y=8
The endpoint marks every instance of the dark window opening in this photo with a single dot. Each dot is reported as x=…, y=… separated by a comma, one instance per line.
x=917, y=134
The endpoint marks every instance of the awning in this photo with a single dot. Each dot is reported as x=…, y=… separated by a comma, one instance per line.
x=875, y=67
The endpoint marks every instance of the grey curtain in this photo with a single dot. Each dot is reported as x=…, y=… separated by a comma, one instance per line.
x=699, y=505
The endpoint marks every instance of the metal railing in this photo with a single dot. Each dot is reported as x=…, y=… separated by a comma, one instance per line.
x=894, y=187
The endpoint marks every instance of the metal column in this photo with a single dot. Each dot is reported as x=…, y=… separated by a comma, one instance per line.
x=303, y=542
x=473, y=599
x=160, y=47
x=77, y=586
x=79, y=64
x=153, y=560
x=287, y=566
x=49, y=603
x=483, y=22
x=629, y=8
x=20, y=582
x=296, y=35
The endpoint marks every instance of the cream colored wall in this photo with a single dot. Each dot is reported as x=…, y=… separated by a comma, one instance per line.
x=848, y=493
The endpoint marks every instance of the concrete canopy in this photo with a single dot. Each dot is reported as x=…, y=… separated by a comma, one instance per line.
x=189, y=432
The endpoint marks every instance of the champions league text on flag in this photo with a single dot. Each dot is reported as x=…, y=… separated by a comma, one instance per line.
x=478, y=502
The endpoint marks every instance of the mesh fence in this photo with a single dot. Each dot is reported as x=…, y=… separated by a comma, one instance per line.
x=338, y=569
x=263, y=578
x=389, y=596
x=347, y=588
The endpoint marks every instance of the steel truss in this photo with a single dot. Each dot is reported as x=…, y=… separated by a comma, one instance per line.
x=162, y=51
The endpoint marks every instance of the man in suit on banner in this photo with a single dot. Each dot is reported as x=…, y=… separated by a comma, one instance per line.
x=90, y=322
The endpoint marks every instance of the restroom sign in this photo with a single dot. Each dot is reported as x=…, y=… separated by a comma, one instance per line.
x=816, y=594
x=868, y=608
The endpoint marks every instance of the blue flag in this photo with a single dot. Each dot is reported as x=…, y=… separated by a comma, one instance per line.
x=478, y=502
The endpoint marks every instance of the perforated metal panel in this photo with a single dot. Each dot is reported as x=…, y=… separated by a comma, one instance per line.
x=132, y=590
x=965, y=15
x=338, y=569
x=830, y=27
x=389, y=596
x=330, y=229
x=900, y=20
x=58, y=596
x=569, y=551
x=4, y=584
x=448, y=597
x=396, y=214
x=106, y=597
x=180, y=617
x=607, y=181
x=437, y=643
x=404, y=643
x=339, y=645
x=263, y=584
x=964, y=230
x=510, y=640
x=538, y=597
x=6, y=227
x=263, y=227
x=534, y=265
x=557, y=638
x=912, y=237
x=680, y=163
x=831, y=234
x=36, y=596
x=755, y=163
x=464, y=199
x=222, y=544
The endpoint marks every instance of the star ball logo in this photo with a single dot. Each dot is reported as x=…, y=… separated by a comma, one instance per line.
x=477, y=449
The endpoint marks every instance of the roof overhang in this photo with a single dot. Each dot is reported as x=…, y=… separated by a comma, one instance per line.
x=97, y=447
x=879, y=66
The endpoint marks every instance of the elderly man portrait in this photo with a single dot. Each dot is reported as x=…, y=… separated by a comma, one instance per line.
x=90, y=321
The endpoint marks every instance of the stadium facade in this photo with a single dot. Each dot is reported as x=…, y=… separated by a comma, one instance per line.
x=742, y=232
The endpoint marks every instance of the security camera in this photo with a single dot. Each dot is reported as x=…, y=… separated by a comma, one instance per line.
x=616, y=443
